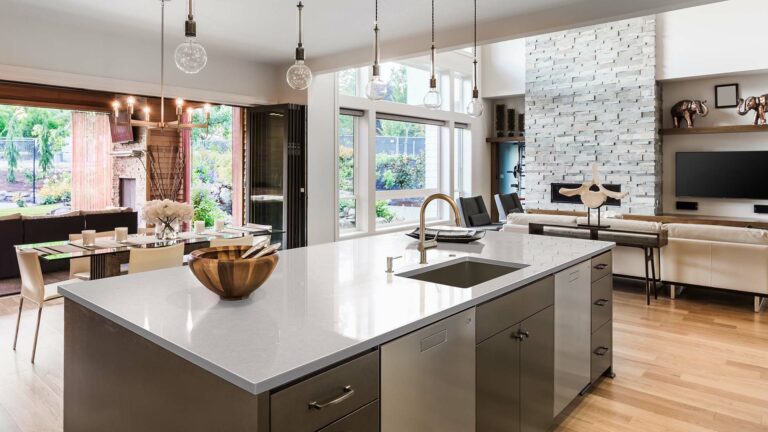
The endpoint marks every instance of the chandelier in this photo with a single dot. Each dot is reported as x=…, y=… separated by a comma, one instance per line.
x=162, y=124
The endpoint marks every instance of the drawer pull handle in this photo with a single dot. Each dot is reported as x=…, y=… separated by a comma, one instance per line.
x=348, y=393
x=601, y=266
x=601, y=302
x=601, y=351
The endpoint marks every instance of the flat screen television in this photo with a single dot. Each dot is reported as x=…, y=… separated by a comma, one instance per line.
x=729, y=174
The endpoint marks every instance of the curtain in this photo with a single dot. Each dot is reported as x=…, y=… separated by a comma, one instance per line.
x=238, y=179
x=91, y=161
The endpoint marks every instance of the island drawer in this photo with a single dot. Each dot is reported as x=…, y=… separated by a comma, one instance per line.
x=366, y=419
x=602, y=350
x=500, y=313
x=324, y=398
x=602, y=302
x=602, y=265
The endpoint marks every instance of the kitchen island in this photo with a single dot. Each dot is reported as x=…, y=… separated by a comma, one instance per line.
x=320, y=346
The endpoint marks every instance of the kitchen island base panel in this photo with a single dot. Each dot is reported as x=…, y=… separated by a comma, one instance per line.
x=118, y=381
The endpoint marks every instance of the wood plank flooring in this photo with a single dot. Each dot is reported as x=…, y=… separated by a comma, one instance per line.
x=698, y=363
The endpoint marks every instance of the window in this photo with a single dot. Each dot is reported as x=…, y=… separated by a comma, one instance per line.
x=212, y=166
x=463, y=89
x=407, y=169
x=461, y=148
x=35, y=160
x=346, y=170
x=347, y=80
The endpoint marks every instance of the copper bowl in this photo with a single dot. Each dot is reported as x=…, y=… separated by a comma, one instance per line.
x=222, y=270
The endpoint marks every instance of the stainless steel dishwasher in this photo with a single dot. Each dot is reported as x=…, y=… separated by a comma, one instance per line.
x=428, y=378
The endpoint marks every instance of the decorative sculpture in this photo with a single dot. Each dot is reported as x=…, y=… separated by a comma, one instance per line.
x=756, y=103
x=688, y=109
x=593, y=194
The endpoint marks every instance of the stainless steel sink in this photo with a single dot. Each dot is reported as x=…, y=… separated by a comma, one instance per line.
x=463, y=272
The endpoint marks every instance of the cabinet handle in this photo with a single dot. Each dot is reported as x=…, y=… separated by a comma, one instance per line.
x=348, y=393
x=601, y=302
x=525, y=333
x=516, y=336
x=601, y=266
x=601, y=351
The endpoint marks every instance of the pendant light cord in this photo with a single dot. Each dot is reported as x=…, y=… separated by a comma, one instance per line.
x=162, y=61
x=190, y=15
x=376, y=38
x=433, y=22
x=474, y=50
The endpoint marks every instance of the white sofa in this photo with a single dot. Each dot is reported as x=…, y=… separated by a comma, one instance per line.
x=700, y=255
x=717, y=256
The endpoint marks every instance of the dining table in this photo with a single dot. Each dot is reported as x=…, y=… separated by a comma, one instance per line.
x=107, y=254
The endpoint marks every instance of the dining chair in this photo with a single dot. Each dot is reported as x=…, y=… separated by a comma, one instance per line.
x=148, y=259
x=246, y=240
x=508, y=203
x=80, y=268
x=34, y=289
x=475, y=214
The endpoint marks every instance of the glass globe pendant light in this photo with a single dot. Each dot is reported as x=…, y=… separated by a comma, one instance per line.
x=190, y=56
x=475, y=107
x=377, y=88
x=299, y=76
x=433, y=99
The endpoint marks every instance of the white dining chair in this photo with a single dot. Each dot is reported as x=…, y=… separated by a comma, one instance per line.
x=34, y=289
x=246, y=240
x=148, y=259
x=80, y=268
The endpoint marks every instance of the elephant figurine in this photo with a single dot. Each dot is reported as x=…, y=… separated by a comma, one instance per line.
x=688, y=109
x=756, y=103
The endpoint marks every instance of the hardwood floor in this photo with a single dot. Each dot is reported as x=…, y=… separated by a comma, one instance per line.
x=698, y=363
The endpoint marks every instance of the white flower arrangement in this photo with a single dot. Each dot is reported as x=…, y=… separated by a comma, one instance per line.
x=167, y=213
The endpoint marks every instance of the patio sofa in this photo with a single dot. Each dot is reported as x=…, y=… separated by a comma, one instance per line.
x=16, y=229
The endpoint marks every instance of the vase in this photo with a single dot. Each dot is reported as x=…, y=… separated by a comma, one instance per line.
x=167, y=229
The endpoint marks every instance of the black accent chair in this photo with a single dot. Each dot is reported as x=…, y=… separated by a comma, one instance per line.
x=508, y=203
x=475, y=214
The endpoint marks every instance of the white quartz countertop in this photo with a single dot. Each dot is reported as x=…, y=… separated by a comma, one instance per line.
x=321, y=305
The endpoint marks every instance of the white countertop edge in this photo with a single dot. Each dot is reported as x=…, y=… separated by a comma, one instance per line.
x=333, y=358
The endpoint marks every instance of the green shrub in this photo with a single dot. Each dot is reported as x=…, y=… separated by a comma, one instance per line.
x=206, y=208
x=383, y=211
x=57, y=188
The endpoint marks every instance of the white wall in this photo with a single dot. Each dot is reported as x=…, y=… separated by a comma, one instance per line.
x=503, y=69
x=60, y=50
x=713, y=39
x=322, y=109
x=674, y=91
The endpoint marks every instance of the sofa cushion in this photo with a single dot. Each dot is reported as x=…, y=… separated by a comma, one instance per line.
x=626, y=225
x=718, y=233
x=11, y=234
x=103, y=211
x=52, y=216
x=526, y=218
x=14, y=216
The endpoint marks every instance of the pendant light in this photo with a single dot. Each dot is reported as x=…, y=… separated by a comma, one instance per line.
x=432, y=99
x=475, y=107
x=377, y=88
x=190, y=56
x=299, y=76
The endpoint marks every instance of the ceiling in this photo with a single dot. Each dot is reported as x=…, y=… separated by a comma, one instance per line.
x=264, y=31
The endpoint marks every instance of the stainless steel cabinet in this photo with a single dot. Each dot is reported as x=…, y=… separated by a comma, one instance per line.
x=515, y=375
x=573, y=309
x=428, y=378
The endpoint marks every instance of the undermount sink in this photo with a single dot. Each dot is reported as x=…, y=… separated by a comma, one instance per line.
x=463, y=272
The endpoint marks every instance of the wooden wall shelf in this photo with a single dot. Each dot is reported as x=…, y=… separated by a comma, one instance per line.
x=505, y=139
x=715, y=130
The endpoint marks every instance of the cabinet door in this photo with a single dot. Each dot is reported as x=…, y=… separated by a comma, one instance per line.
x=498, y=382
x=572, y=333
x=428, y=378
x=537, y=371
